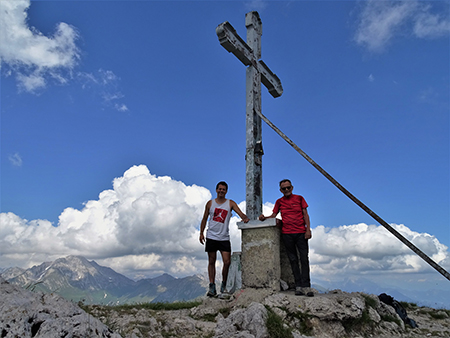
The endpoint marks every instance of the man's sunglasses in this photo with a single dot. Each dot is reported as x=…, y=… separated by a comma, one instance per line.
x=286, y=188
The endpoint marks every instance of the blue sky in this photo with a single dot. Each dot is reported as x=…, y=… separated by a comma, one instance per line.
x=99, y=91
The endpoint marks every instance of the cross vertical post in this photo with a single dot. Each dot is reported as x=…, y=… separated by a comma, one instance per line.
x=254, y=149
x=257, y=71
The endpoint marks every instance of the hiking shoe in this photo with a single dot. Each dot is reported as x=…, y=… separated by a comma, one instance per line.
x=299, y=291
x=308, y=291
x=212, y=290
x=223, y=287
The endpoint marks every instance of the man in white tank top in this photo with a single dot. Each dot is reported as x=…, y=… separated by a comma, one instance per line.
x=217, y=236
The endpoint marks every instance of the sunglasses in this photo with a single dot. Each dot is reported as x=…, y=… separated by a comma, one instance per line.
x=286, y=188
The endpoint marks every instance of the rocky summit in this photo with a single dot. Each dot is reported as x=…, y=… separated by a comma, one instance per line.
x=251, y=313
x=27, y=314
x=248, y=313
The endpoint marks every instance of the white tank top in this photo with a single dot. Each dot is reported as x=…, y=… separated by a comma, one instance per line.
x=219, y=220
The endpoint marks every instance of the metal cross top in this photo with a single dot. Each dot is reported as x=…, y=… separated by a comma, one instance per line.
x=250, y=53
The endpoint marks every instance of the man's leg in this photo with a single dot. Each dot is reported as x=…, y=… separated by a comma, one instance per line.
x=226, y=258
x=303, y=250
x=291, y=251
x=212, y=256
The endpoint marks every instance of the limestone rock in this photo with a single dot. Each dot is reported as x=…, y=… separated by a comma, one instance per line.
x=344, y=307
x=276, y=300
x=332, y=315
x=27, y=314
x=327, y=329
x=248, y=323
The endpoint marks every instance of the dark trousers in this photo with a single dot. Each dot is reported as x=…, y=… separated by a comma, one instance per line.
x=292, y=243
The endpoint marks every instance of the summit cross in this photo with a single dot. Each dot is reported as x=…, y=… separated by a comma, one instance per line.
x=257, y=71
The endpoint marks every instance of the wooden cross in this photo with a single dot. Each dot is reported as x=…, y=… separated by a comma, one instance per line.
x=257, y=71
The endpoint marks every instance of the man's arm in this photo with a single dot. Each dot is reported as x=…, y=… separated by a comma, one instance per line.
x=203, y=223
x=235, y=207
x=262, y=217
x=308, y=234
x=274, y=213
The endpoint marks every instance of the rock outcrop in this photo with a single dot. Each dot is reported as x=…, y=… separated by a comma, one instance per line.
x=249, y=313
x=259, y=313
x=28, y=314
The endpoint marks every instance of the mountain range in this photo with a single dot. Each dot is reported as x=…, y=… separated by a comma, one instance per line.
x=78, y=279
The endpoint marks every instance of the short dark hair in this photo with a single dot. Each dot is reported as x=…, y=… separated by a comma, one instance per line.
x=222, y=183
x=285, y=180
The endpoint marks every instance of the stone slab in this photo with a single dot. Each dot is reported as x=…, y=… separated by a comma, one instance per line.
x=269, y=222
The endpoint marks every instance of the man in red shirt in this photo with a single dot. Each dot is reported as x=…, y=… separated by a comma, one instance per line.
x=295, y=233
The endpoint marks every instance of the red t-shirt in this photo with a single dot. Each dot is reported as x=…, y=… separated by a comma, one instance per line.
x=291, y=209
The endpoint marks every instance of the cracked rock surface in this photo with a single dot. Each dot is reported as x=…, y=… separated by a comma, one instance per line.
x=27, y=314
x=249, y=313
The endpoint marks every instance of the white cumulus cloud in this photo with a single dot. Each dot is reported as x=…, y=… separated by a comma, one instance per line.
x=147, y=225
x=33, y=57
x=143, y=219
x=369, y=249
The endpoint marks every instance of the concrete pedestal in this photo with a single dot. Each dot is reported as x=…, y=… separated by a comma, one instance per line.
x=263, y=260
x=260, y=257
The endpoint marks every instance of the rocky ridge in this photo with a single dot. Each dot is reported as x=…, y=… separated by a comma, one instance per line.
x=259, y=313
x=249, y=313
x=28, y=314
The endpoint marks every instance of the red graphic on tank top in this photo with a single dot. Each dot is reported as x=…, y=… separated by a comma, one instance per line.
x=220, y=215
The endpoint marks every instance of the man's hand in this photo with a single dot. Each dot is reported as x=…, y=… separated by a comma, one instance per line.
x=308, y=234
x=262, y=217
x=245, y=219
x=202, y=238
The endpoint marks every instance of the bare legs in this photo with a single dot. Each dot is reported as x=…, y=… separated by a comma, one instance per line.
x=226, y=258
x=212, y=257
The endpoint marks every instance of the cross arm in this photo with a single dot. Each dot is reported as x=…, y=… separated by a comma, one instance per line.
x=270, y=80
x=233, y=43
